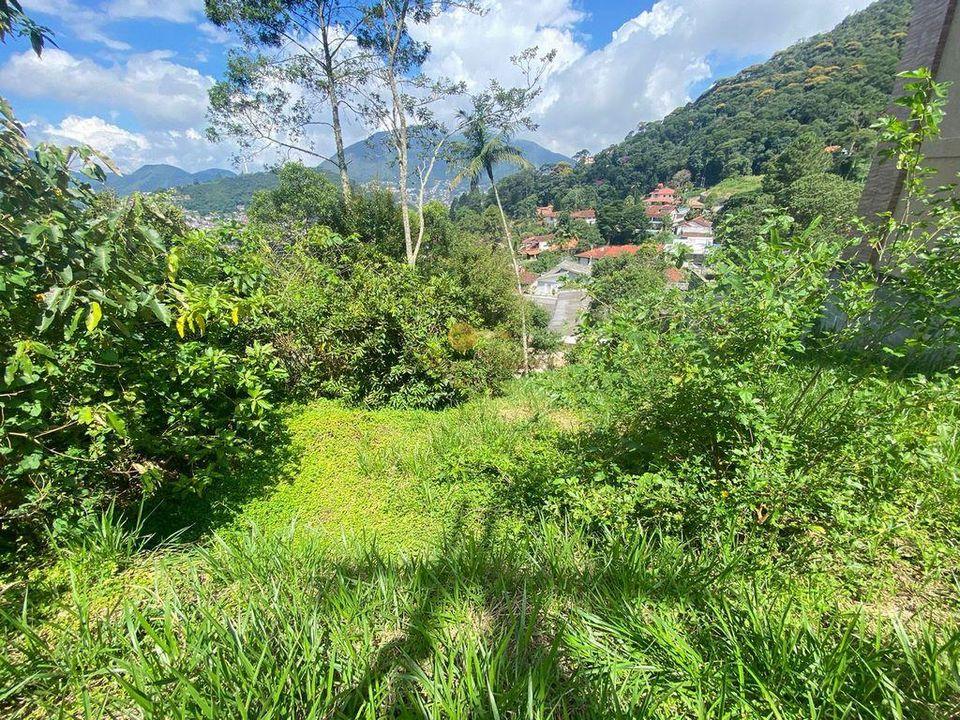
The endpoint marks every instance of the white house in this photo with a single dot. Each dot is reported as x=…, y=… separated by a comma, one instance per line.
x=552, y=282
x=695, y=234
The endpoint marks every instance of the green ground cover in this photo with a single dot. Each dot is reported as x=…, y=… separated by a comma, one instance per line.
x=387, y=566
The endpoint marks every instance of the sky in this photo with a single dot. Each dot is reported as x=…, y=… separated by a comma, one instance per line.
x=130, y=77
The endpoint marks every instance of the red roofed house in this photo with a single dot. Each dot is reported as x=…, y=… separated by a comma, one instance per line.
x=660, y=215
x=589, y=257
x=528, y=278
x=548, y=215
x=675, y=278
x=540, y=241
x=589, y=216
x=662, y=195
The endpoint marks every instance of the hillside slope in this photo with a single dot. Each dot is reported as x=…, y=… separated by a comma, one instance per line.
x=835, y=84
x=150, y=178
x=370, y=160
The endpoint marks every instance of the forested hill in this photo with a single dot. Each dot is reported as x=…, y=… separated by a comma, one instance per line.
x=369, y=160
x=836, y=84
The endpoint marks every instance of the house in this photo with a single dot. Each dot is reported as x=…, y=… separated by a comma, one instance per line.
x=676, y=278
x=589, y=257
x=660, y=216
x=527, y=279
x=550, y=217
x=696, y=234
x=547, y=215
x=565, y=245
x=589, y=216
x=541, y=241
x=552, y=282
x=662, y=195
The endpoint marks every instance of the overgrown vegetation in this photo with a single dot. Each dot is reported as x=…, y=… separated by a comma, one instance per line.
x=139, y=353
x=263, y=471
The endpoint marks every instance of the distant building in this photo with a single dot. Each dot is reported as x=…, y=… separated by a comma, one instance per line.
x=547, y=215
x=696, y=234
x=540, y=241
x=589, y=216
x=552, y=282
x=660, y=216
x=550, y=217
x=676, y=278
x=662, y=195
x=589, y=257
x=527, y=279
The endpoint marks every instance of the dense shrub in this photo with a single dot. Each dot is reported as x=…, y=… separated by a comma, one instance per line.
x=352, y=323
x=119, y=373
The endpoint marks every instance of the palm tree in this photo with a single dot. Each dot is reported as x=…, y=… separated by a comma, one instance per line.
x=483, y=150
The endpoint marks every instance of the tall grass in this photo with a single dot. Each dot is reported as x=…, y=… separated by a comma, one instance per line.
x=558, y=625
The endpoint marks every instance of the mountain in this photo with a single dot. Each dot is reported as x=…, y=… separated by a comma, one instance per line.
x=369, y=160
x=835, y=84
x=151, y=178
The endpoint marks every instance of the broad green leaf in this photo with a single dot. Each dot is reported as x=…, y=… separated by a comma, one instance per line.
x=117, y=423
x=102, y=254
x=160, y=310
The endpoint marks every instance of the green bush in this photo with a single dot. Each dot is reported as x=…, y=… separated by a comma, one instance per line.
x=351, y=323
x=119, y=373
x=795, y=394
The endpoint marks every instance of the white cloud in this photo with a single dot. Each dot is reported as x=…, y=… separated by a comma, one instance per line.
x=98, y=133
x=83, y=22
x=157, y=92
x=476, y=48
x=214, y=34
x=177, y=11
x=187, y=149
x=646, y=69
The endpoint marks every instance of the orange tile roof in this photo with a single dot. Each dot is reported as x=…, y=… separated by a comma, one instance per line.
x=609, y=251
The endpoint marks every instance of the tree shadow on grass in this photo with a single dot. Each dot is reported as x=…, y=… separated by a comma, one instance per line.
x=187, y=514
x=500, y=658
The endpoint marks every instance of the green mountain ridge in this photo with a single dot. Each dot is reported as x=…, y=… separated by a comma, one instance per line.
x=151, y=178
x=835, y=84
x=369, y=161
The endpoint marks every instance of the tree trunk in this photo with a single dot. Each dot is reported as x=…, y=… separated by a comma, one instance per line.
x=338, y=138
x=403, y=175
x=401, y=145
x=524, y=335
x=334, y=98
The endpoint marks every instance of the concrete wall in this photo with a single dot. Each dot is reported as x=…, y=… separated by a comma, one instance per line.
x=944, y=153
x=933, y=41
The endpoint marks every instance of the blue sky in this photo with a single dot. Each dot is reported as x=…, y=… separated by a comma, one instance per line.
x=131, y=76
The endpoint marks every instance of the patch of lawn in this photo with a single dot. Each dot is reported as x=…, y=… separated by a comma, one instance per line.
x=386, y=476
x=731, y=187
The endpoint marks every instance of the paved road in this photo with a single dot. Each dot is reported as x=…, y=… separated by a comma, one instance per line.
x=565, y=311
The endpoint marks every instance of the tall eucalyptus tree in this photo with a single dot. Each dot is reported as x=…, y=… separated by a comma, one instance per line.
x=297, y=71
